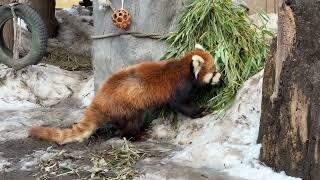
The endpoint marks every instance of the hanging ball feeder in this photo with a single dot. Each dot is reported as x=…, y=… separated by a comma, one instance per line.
x=121, y=18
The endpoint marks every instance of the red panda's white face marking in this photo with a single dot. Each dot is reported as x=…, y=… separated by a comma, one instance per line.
x=198, y=46
x=203, y=67
x=197, y=62
x=216, y=79
x=207, y=78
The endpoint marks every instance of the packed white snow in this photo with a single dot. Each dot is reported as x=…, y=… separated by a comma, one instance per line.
x=228, y=144
x=42, y=85
x=3, y=164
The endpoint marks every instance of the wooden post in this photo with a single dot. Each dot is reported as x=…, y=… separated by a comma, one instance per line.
x=8, y=29
x=46, y=9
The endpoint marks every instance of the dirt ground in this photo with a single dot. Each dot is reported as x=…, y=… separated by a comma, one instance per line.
x=16, y=151
x=26, y=158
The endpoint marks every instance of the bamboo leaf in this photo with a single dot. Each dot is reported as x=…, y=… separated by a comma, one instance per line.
x=239, y=47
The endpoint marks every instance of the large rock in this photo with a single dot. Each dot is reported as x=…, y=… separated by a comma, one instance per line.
x=257, y=6
x=271, y=25
x=42, y=86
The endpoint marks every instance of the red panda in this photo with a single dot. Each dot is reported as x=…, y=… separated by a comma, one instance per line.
x=128, y=93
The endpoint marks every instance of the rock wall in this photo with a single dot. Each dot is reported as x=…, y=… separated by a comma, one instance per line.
x=256, y=6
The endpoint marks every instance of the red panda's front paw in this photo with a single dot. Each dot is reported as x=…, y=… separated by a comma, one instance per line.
x=203, y=111
x=206, y=111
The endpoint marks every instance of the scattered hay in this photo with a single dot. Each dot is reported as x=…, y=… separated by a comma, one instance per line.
x=54, y=167
x=117, y=162
x=67, y=61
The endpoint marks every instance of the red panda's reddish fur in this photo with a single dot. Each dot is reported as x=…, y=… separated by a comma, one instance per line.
x=126, y=94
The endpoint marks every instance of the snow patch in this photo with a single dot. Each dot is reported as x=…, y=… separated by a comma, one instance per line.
x=41, y=85
x=14, y=103
x=256, y=171
x=149, y=176
x=87, y=92
x=4, y=164
x=228, y=144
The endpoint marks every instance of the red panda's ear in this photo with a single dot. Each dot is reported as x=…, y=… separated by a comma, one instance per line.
x=197, y=62
x=198, y=46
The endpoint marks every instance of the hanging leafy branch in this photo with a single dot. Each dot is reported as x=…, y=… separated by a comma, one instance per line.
x=223, y=28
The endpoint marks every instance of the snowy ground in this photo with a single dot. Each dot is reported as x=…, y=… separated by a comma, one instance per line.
x=224, y=147
x=42, y=86
x=225, y=144
x=229, y=144
x=29, y=94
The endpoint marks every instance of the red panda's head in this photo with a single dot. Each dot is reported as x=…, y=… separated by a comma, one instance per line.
x=204, y=69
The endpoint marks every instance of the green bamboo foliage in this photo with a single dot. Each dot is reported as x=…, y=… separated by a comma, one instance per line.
x=239, y=47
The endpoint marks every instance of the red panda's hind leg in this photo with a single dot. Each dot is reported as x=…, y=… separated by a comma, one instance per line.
x=131, y=129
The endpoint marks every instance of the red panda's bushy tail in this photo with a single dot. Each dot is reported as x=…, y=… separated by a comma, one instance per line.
x=80, y=131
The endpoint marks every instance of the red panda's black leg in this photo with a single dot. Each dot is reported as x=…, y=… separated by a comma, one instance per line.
x=132, y=126
x=204, y=111
x=181, y=102
x=190, y=110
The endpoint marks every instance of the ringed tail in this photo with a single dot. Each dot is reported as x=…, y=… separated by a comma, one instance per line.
x=77, y=133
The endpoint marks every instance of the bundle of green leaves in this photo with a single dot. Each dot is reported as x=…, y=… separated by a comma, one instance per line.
x=224, y=29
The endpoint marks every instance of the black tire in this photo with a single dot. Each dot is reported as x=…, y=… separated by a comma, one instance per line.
x=39, y=36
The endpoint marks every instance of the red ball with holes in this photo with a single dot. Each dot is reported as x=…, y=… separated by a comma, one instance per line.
x=121, y=18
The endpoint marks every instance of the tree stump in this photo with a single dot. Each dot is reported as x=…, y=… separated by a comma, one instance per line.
x=289, y=129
